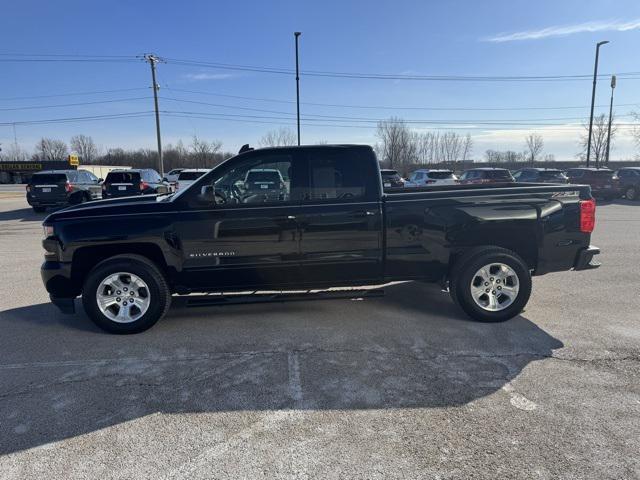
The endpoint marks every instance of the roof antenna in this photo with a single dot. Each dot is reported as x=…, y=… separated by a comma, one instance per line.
x=245, y=148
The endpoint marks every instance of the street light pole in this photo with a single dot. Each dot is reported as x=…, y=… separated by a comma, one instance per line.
x=613, y=86
x=296, y=35
x=593, y=97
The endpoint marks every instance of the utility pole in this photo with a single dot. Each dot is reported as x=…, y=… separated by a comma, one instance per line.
x=613, y=86
x=152, y=59
x=296, y=35
x=593, y=97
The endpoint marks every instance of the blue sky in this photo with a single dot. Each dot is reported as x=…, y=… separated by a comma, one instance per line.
x=463, y=38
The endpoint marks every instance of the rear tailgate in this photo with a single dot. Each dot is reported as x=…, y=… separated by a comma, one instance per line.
x=49, y=188
x=122, y=184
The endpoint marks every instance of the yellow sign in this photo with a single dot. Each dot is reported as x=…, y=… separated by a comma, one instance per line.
x=73, y=160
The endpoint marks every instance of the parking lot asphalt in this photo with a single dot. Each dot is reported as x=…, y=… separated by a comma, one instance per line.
x=402, y=386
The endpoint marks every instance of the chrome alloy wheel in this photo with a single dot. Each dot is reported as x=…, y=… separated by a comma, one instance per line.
x=494, y=287
x=123, y=297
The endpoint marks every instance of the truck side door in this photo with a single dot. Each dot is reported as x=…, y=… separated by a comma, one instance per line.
x=248, y=237
x=340, y=218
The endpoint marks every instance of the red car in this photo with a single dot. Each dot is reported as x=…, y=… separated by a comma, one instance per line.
x=602, y=181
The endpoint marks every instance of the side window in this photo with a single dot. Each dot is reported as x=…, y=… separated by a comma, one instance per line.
x=419, y=176
x=336, y=175
x=519, y=175
x=259, y=179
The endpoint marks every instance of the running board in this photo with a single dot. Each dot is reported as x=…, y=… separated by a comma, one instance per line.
x=208, y=300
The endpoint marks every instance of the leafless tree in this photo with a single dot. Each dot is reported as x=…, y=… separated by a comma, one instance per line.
x=278, y=138
x=467, y=148
x=51, y=149
x=635, y=131
x=396, y=142
x=535, y=144
x=85, y=147
x=204, y=153
x=598, y=138
x=14, y=153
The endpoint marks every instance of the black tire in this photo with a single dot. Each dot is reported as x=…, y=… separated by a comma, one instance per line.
x=39, y=209
x=631, y=193
x=463, y=273
x=158, y=291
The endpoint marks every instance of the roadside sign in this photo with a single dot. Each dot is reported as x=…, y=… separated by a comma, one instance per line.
x=74, y=160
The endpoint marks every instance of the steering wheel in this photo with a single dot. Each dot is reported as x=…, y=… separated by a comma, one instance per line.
x=237, y=193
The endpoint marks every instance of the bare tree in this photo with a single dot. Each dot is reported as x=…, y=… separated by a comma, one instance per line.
x=204, y=153
x=84, y=146
x=467, y=147
x=14, y=153
x=278, y=138
x=598, y=138
x=535, y=144
x=51, y=149
x=397, y=144
x=635, y=131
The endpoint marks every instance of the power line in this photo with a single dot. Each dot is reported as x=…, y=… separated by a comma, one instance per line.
x=78, y=119
x=73, y=94
x=396, y=107
x=63, y=105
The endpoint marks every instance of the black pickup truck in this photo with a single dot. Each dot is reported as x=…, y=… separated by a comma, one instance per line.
x=331, y=224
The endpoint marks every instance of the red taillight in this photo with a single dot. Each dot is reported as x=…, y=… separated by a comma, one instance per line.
x=587, y=215
x=143, y=185
x=68, y=187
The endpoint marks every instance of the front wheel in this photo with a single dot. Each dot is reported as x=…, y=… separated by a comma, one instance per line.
x=491, y=284
x=126, y=294
x=631, y=193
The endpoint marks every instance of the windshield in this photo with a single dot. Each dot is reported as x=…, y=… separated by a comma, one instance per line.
x=441, y=175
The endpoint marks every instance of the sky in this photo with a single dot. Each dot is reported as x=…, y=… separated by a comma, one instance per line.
x=205, y=89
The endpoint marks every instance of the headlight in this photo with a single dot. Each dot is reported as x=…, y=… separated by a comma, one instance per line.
x=47, y=231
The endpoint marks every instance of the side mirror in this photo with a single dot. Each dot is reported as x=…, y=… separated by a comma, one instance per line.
x=207, y=195
x=100, y=180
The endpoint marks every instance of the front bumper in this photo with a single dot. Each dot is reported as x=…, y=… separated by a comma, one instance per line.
x=56, y=277
x=584, y=259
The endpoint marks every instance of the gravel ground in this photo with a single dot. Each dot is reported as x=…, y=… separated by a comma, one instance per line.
x=401, y=386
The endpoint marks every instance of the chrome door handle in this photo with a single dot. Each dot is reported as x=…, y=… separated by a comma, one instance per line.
x=291, y=217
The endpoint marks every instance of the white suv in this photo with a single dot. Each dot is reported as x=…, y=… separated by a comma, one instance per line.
x=426, y=177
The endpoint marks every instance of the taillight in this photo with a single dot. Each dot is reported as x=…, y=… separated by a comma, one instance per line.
x=68, y=187
x=143, y=185
x=587, y=215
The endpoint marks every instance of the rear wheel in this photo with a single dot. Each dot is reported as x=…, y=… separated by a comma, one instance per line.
x=631, y=193
x=490, y=284
x=126, y=294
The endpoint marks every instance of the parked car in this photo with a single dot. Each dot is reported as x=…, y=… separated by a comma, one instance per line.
x=540, y=175
x=187, y=176
x=172, y=177
x=391, y=178
x=629, y=182
x=133, y=181
x=334, y=226
x=601, y=180
x=261, y=184
x=60, y=188
x=486, y=175
x=427, y=177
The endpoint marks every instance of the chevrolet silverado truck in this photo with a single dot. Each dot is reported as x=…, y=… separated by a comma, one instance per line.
x=331, y=224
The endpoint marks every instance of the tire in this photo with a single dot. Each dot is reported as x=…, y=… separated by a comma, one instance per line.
x=631, y=193
x=504, y=305
x=39, y=209
x=118, y=269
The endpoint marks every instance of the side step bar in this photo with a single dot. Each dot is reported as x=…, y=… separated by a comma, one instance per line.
x=213, y=299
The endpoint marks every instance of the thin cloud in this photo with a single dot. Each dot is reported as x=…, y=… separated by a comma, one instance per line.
x=199, y=77
x=564, y=30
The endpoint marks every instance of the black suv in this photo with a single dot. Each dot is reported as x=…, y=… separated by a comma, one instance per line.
x=60, y=188
x=540, y=175
x=391, y=178
x=629, y=182
x=125, y=183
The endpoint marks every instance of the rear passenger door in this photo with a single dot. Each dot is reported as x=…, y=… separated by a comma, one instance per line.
x=339, y=218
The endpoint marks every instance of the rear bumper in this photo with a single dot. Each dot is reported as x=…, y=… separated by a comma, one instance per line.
x=47, y=202
x=584, y=259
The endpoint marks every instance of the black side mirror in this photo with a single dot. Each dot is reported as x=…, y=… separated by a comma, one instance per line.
x=100, y=180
